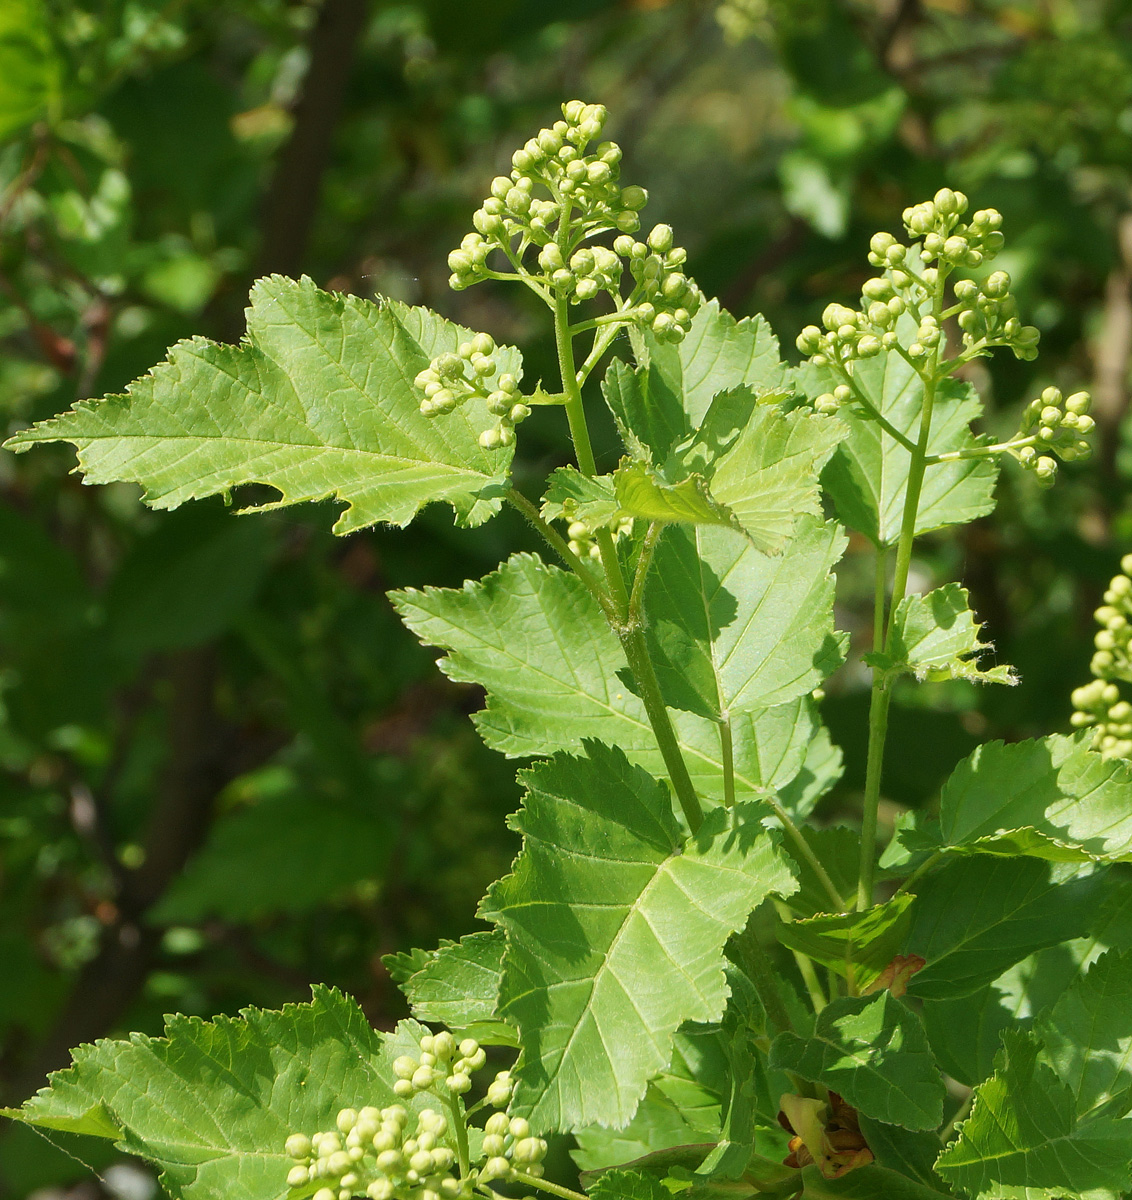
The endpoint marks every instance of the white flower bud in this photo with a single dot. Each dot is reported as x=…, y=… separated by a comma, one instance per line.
x=346, y=1120
x=404, y=1087
x=325, y=1193
x=297, y=1177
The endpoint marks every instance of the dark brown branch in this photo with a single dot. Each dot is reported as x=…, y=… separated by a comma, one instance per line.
x=292, y=199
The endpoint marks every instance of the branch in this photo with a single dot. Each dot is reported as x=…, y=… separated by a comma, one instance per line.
x=293, y=195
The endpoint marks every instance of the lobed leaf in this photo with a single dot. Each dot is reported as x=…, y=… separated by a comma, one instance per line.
x=211, y=1103
x=1054, y=798
x=731, y=629
x=535, y=639
x=318, y=402
x=457, y=985
x=867, y=478
x=1024, y=1139
x=978, y=916
x=860, y=944
x=935, y=636
x=873, y=1051
x=615, y=931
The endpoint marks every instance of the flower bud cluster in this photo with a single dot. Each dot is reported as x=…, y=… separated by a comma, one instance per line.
x=986, y=313
x=450, y=380
x=580, y=533
x=559, y=195
x=1055, y=425
x=509, y=1147
x=372, y=1153
x=1099, y=704
x=441, y=1062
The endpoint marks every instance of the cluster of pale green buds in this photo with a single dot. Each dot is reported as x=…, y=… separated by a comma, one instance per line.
x=441, y=1061
x=372, y=1153
x=583, y=190
x=580, y=534
x=988, y=315
x=450, y=380
x=1099, y=704
x=1053, y=424
x=508, y=1147
x=985, y=312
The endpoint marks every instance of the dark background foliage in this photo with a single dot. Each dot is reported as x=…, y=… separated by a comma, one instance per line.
x=226, y=771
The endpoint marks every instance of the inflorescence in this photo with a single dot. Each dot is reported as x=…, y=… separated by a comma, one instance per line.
x=1098, y=704
x=564, y=191
x=393, y=1154
x=902, y=312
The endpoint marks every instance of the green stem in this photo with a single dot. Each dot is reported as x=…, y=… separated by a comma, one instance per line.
x=920, y=871
x=559, y=544
x=981, y=451
x=961, y=1114
x=879, y=597
x=805, y=965
x=806, y=851
x=644, y=560
x=874, y=413
x=727, y=753
x=633, y=643
x=460, y=1130
x=555, y=1189
x=881, y=696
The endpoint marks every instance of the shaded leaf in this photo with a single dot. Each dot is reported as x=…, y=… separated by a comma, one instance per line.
x=319, y=402
x=873, y=1051
x=978, y=916
x=864, y=941
x=615, y=931
x=1023, y=1138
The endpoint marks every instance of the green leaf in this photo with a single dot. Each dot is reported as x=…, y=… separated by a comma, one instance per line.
x=1088, y=1035
x=935, y=637
x=629, y=1185
x=865, y=1183
x=319, y=402
x=867, y=940
x=768, y=477
x=910, y=1152
x=29, y=65
x=641, y=494
x=978, y=916
x=1054, y=798
x=657, y=406
x=212, y=1103
x=838, y=849
x=874, y=1052
x=257, y=860
x=1023, y=1140
x=867, y=477
x=658, y=1124
x=533, y=636
x=731, y=629
x=458, y=985
x=577, y=497
x=615, y=931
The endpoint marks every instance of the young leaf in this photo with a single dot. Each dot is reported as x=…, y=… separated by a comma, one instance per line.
x=658, y=406
x=935, y=636
x=865, y=942
x=642, y=494
x=212, y=1103
x=579, y=497
x=1053, y=798
x=1023, y=1138
x=868, y=476
x=319, y=402
x=536, y=640
x=978, y=916
x=458, y=985
x=732, y=629
x=1088, y=1035
x=615, y=931
x=873, y=1051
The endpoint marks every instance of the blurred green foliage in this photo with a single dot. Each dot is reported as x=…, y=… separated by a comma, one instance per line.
x=226, y=771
